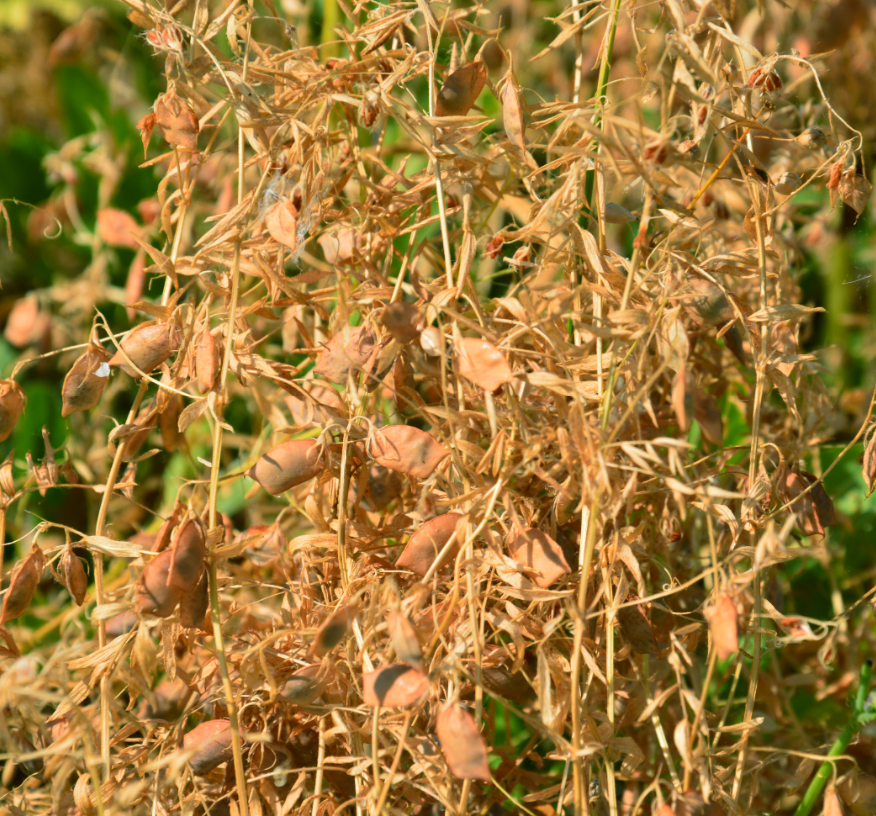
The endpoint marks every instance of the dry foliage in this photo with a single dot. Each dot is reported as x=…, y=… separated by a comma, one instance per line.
x=461, y=502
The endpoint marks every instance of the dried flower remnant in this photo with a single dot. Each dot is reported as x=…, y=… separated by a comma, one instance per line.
x=289, y=464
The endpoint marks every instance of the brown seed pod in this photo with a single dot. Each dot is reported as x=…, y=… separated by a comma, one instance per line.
x=303, y=687
x=407, y=450
x=290, y=463
x=812, y=138
x=461, y=90
x=149, y=345
x=464, y=748
x=12, y=403
x=207, y=360
x=537, y=550
x=85, y=381
x=636, y=629
x=210, y=743
x=22, y=586
x=393, y=686
x=427, y=543
x=154, y=596
x=193, y=605
x=814, y=509
x=168, y=420
x=403, y=321
x=482, y=363
x=723, y=626
x=854, y=190
x=683, y=390
x=168, y=700
x=121, y=624
x=405, y=640
x=349, y=348
x=188, y=552
x=75, y=578
x=333, y=630
x=282, y=223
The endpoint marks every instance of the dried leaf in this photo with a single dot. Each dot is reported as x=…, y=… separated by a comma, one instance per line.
x=536, y=550
x=176, y=121
x=482, y=363
x=117, y=228
x=407, y=450
x=282, y=223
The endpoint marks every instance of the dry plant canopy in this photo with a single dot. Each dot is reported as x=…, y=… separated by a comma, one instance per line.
x=437, y=432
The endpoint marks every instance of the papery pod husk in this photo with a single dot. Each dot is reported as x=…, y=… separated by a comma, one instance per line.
x=12, y=403
x=207, y=361
x=480, y=362
x=154, y=596
x=211, y=742
x=22, y=586
x=408, y=450
x=392, y=686
x=636, y=629
x=168, y=422
x=193, y=605
x=463, y=745
x=268, y=544
x=855, y=190
x=75, y=578
x=427, y=543
x=83, y=387
x=149, y=345
x=349, y=348
x=188, y=552
x=512, y=111
x=289, y=464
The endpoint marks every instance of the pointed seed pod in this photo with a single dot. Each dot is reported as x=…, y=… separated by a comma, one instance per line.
x=12, y=403
x=392, y=686
x=290, y=463
x=22, y=587
x=149, y=345
x=464, y=748
x=406, y=449
x=461, y=90
x=75, y=578
x=85, y=381
x=154, y=596
x=211, y=745
x=427, y=543
x=207, y=361
x=188, y=552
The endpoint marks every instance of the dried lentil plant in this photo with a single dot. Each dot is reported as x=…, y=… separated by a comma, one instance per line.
x=491, y=498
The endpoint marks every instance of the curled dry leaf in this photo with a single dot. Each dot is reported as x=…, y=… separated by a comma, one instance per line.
x=85, y=381
x=393, y=686
x=406, y=449
x=75, y=578
x=116, y=228
x=210, y=743
x=536, y=550
x=12, y=403
x=461, y=90
x=724, y=628
x=290, y=463
x=154, y=595
x=482, y=363
x=22, y=587
x=349, y=348
x=403, y=321
x=207, y=359
x=405, y=640
x=149, y=345
x=427, y=543
x=188, y=552
x=333, y=630
x=636, y=629
x=464, y=748
x=176, y=121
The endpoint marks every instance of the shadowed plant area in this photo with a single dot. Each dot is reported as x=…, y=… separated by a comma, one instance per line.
x=437, y=408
